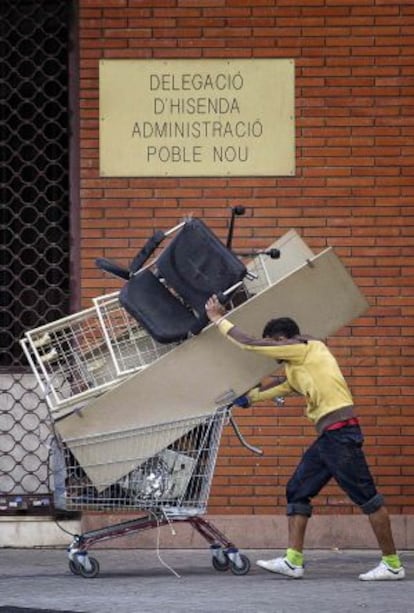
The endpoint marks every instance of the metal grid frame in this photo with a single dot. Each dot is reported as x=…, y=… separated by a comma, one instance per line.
x=70, y=359
x=131, y=347
x=39, y=128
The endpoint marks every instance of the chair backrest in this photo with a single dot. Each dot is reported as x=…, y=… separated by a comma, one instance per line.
x=192, y=267
x=196, y=265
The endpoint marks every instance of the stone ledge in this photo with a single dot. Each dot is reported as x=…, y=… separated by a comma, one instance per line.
x=262, y=532
x=30, y=531
x=246, y=531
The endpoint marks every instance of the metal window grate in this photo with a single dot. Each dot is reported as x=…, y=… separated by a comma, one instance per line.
x=34, y=230
x=34, y=168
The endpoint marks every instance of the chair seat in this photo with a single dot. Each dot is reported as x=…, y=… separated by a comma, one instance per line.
x=163, y=315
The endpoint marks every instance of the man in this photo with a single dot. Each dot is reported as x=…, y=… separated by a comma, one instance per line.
x=312, y=371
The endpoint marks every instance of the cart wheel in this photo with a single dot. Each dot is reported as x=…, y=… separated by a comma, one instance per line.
x=220, y=565
x=74, y=567
x=244, y=568
x=92, y=572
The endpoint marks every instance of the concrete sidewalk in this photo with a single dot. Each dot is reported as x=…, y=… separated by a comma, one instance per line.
x=139, y=581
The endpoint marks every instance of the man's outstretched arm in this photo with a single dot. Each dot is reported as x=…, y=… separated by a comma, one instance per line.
x=292, y=349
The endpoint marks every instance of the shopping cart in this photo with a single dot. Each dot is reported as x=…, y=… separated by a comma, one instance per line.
x=172, y=485
x=165, y=470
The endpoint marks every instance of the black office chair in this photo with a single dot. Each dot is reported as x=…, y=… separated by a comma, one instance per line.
x=168, y=297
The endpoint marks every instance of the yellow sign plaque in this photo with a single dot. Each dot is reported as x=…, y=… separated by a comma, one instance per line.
x=197, y=117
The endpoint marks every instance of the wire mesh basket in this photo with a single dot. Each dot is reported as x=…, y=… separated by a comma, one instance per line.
x=167, y=466
x=71, y=359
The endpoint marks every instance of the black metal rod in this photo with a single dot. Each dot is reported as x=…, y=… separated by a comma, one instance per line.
x=235, y=210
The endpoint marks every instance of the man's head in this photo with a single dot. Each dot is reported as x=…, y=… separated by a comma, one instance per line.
x=280, y=328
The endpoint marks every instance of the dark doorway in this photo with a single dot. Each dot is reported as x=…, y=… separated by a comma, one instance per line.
x=36, y=43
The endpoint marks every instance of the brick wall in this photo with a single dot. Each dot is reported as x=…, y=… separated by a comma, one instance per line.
x=353, y=190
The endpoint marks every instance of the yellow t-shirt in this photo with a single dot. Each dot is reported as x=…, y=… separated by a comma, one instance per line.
x=310, y=368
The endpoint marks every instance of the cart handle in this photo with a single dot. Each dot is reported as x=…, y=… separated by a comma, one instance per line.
x=242, y=440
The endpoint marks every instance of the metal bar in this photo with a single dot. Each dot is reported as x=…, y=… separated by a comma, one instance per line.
x=209, y=532
x=243, y=441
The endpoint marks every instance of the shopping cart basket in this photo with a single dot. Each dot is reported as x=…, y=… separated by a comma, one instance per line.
x=172, y=485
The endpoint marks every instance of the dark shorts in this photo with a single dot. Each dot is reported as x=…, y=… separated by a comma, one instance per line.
x=335, y=454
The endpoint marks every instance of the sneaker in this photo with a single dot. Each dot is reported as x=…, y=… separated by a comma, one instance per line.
x=282, y=566
x=383, y=572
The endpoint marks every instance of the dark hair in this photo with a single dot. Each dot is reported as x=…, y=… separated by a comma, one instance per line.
x=284, y=326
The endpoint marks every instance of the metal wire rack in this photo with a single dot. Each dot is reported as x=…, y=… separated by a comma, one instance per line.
x=70, y=359
x=131, y=347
